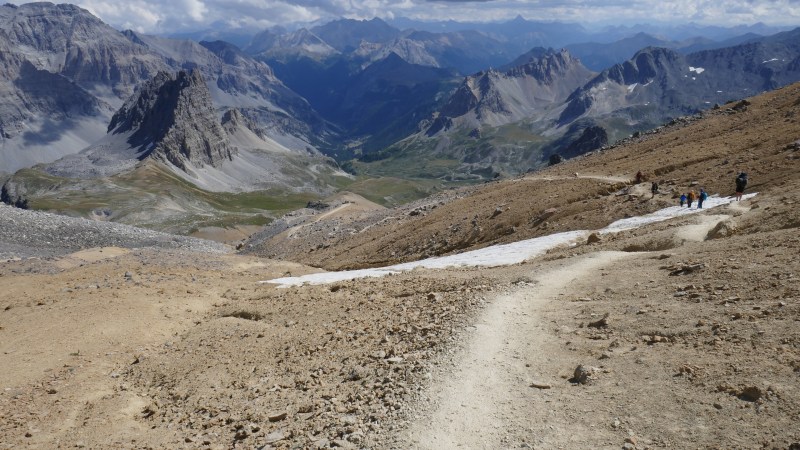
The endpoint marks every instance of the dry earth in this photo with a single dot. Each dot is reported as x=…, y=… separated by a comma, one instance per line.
x=687, y=331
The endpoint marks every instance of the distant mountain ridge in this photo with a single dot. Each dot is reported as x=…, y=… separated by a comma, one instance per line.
x=496, y=98
x=171, y=120
x=65, y=72
x=662, y=83
x=498, y=123
x=354, y=88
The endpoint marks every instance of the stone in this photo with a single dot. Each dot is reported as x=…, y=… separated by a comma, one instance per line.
x=540, y=385
x=594, y=238
x=584, y=374
x=750, y=394
x=241, y=434
x=275, y=436
x=349, y=419
x=356, y=373
x=276, y=416
x=305, y=408
x=600, y=323
x=356, y=438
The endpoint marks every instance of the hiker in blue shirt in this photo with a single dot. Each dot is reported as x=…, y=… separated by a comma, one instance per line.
x=701, y=198
x=683, y=199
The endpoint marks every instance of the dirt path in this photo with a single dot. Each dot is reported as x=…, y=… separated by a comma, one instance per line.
x=486, y=400
x=606, y=178
x=292, y=231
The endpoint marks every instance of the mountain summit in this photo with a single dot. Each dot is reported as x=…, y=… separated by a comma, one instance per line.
x=172, y=119
x=496, y=98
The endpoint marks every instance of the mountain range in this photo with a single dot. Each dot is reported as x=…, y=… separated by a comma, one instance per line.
x=509, y=122
x=502, y=114
x=65, y=72
x=90, y=102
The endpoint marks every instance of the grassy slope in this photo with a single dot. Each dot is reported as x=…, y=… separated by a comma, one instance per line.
x=154, y=197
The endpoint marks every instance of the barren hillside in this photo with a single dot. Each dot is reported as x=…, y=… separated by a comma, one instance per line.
x=760, y=138
x=686, y=331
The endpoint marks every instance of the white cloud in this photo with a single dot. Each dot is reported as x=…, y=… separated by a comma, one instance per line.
x=157, y=16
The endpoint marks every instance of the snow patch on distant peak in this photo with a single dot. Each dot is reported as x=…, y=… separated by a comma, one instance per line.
x=697, y=70
x=770, y=60
x=631, y=87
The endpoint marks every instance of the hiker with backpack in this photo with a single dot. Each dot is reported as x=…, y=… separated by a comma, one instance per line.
x=654, y=189
x=741, y=183
x=683, y=199
x=701, y=198
x=690, y=198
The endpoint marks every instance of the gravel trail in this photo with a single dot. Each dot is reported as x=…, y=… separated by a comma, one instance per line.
x=490, y=399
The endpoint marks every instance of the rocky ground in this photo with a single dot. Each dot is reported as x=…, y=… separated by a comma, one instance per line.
x=25, y=234
x=682, y=334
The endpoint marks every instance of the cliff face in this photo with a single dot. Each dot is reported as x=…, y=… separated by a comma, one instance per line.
x=499, y=97
x=172, y=119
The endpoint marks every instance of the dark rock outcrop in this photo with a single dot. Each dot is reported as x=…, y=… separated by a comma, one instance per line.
x=171, y=118
x=592, y=138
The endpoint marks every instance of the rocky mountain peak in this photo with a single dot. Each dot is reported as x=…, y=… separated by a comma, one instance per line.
x=644, y=66
x=547, y=68
x=504, y=96
x=171, y=118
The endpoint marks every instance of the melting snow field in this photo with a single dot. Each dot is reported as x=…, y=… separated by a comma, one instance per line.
x=505, y=254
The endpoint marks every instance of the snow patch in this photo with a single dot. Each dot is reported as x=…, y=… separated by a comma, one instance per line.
x=770, y=60
x=632, y=87
x=697, y=70
x=505, y=254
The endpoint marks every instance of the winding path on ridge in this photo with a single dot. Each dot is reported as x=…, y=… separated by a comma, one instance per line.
x=486, y=400
x=606, y=178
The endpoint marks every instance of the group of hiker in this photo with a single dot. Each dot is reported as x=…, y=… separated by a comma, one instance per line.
x=691, y=197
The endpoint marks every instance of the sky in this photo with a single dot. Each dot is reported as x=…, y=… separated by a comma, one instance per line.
x=159, y=16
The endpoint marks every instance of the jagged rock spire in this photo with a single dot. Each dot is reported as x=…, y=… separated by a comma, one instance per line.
x=171, y=118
